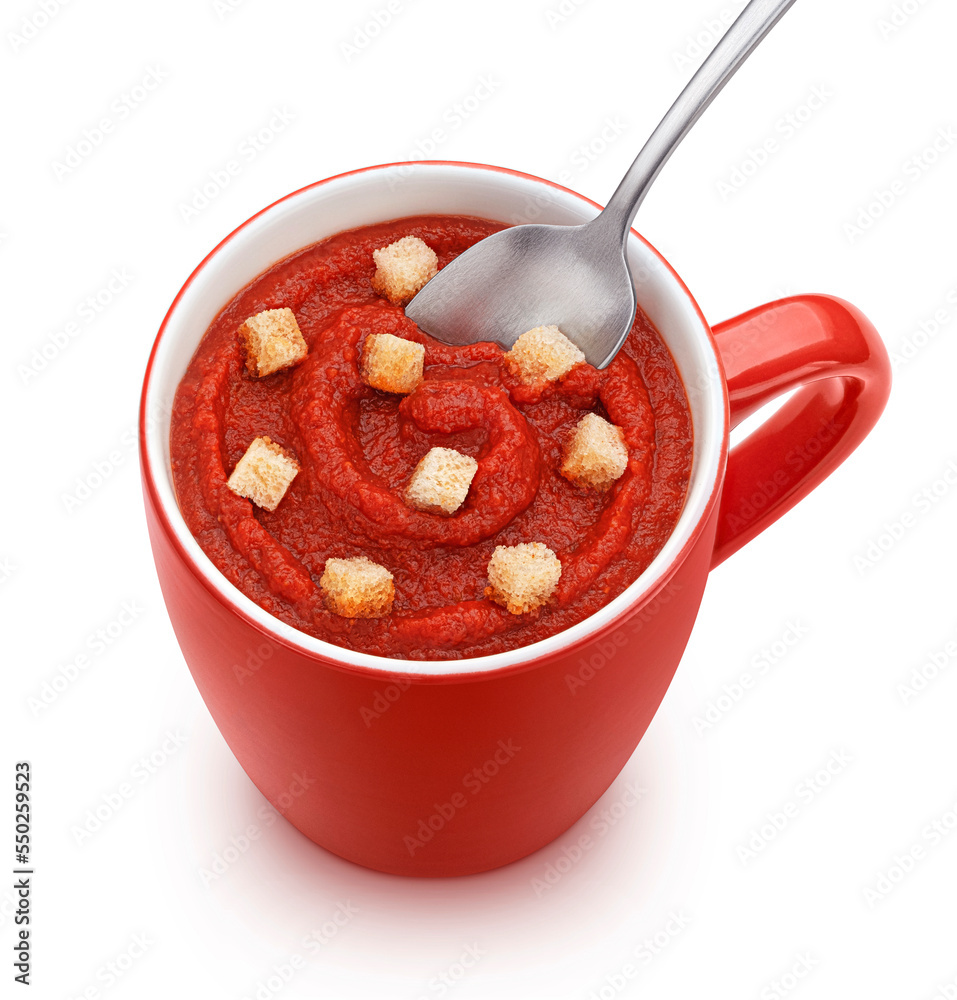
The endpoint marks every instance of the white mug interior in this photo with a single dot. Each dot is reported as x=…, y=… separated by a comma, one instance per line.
x=380, y=194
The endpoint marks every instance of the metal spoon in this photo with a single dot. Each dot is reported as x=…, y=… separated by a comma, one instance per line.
x=577, y=277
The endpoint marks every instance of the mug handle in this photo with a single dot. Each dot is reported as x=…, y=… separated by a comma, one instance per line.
x=826, y=350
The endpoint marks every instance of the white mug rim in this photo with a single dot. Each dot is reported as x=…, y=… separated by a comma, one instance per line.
x=710, y=426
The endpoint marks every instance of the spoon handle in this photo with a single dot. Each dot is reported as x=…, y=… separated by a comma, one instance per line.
x=750, y=27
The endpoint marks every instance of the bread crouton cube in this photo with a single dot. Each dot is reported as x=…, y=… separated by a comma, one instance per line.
x=441, y=481
x=264, y=473
x=596, y=455
x=391, y=364
x=543, y=354
x=522, y=577
x=402, y=268
x=357, y=588
x=273, y=341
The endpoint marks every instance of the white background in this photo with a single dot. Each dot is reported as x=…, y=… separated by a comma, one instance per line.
x=553, y=85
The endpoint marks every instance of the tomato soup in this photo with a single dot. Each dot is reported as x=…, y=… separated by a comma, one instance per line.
x=357, y=448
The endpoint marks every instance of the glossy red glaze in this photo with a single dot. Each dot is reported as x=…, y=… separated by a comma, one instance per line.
x=378, y=764
x=382, y=755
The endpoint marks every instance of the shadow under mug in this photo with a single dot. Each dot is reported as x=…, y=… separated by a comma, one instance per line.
x=454, y=767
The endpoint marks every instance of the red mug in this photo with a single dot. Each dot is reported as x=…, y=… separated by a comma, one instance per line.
x=453, y=767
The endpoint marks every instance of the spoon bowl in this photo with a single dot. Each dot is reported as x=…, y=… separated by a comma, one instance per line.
x=530, y=276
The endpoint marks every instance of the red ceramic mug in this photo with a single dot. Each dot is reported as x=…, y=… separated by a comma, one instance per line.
x=455, y=767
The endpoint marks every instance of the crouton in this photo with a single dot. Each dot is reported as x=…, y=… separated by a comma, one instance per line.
x=391, y=364
x=596, y=454
x=522, y=577
x=357, y=588
x=264, y=473
x=273, y=341
x=441, y=481
x=543, y=354
x=402, y=268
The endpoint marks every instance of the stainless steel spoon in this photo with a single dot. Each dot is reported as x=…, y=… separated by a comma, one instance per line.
x=577, y=277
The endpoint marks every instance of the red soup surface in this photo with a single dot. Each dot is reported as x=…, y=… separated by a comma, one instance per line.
x=357, y=448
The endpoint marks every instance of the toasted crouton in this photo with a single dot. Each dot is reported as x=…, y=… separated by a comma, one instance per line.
x=357, y=588
x=596, y=455
x=543, y=354
x=402, y=268
x=441, y=481
x=522, y=577
x=273, y=341
x=391, y=364
x=264, y=473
